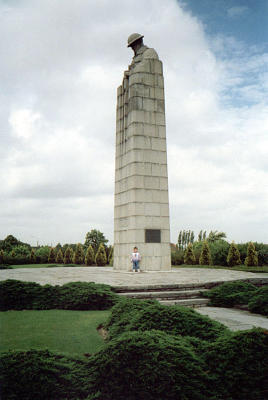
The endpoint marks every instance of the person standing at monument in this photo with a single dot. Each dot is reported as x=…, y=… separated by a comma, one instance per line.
x=135, y=259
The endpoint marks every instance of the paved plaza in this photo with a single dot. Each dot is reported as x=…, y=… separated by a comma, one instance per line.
x=61, y=275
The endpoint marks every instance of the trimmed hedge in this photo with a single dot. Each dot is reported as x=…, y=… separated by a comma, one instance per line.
x=42, y=375
x=18, y=295
x=259, y=301
x=148, y=365
x=131, y=315
x=231, y=293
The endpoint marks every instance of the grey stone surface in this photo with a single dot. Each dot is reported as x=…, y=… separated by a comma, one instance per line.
x=236, y=320
x=141, y=181
x=61, y=275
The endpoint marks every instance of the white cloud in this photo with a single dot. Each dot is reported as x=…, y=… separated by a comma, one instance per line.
x=60, y=69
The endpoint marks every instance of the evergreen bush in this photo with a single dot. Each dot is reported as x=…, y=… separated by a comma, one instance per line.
x=32, y=257
x=205, y=256
x=148, y=365
x=90, y=257
x=78, y=257
x=189, y=257
x=258, y=303
x=2, y=255
x=252, y=256
x=51, y=256
x=175, y=320
x=18, y=295
x=177, y=257
x=239, y=365
x=59, y=258
x=233, y=257
x=231, y=293
x=101, y=258
x=68, y=255
x=42, y=375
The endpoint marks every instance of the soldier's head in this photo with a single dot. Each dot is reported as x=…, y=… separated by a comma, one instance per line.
x=135, y=41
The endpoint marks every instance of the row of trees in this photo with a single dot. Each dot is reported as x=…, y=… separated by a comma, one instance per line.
x=187, y=237
x=93, y=251
x=233, y=257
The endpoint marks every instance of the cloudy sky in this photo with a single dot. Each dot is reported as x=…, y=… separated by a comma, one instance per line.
x=61, y=62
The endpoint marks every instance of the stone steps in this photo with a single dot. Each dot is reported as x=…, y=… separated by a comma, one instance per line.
x=188, y=296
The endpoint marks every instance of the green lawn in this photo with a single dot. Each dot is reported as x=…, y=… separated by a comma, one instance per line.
x=70, y=332
x=236, y=268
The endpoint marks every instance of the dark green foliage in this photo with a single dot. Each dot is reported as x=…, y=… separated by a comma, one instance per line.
x=238, y=364
x=42, y=375
x=68, y=256
x=42, y=254
x=95, y=238
x=10, y=242
x=78, y=257
x=52, y=255
x=233, y=257
x=111, y=256
x=18, y=295
x=148, y=365
x=32, y=257
x=177, y=257
x=101, y=258
x=252, y=256
x=130, y=315
x=2, y=256
x=231, y=293
x=219, y=252
x=90, y=257
x=189, y=257
x=259, y=301
x=205, y=256
x=59, y=258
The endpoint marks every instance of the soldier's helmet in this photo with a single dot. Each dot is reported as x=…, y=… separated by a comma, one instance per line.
x=133, y=37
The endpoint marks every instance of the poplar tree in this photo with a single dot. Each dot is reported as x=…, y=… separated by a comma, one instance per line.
x=189, y=257
x=101, y=258
x=204, y=235
x=179, y=240
x=68, y=255
x=59, y=258
x=192, y=237
x=205, y=256
x=200, y=236
x=233, y=257
x=78, y=257
x=252, y=256
x=52, y=255
x=90, y=257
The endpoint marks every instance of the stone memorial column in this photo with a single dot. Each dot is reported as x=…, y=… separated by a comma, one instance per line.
x=141, y=209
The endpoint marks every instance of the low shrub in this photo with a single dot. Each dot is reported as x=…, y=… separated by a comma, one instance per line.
x=130, y=315
x=18, y=295
x=40, y=374
x=259, y=302
x=238, y=365
x=148, y=365
x=231, y=293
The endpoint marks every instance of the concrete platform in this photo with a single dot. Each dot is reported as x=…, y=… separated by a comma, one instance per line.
x=177, y=276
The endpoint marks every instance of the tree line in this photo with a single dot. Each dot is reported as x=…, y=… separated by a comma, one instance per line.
x=212, y=248
x=93, y=251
